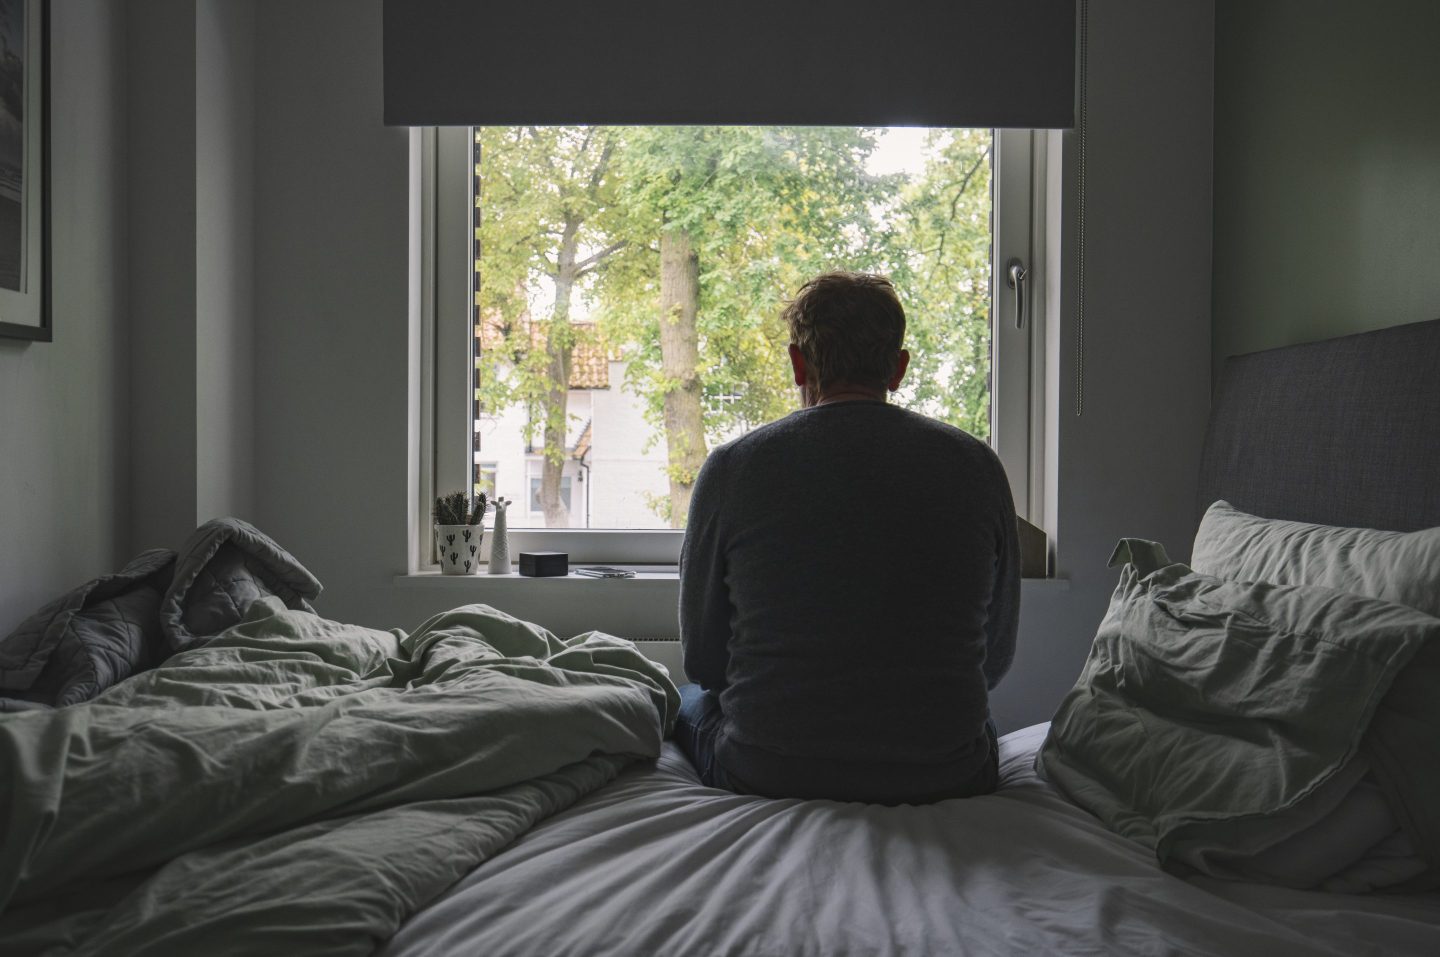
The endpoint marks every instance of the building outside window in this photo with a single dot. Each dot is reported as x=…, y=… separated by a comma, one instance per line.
x=534, y=505
x=486, y=476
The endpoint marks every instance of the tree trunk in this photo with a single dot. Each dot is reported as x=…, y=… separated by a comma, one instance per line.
x=680, y=363
x=555, y=412
x=554, y=407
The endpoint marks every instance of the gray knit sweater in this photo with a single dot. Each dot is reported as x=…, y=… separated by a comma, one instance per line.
x=849, y=583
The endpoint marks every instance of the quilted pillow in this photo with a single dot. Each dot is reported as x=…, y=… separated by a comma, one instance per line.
x=1403, y=567
x=1214, y=720
x=87, y=639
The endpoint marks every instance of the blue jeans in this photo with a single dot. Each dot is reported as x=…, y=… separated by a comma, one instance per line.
x=696, y=726
x=699, y=720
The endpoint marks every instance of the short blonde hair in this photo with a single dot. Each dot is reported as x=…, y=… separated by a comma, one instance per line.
x=849, y=326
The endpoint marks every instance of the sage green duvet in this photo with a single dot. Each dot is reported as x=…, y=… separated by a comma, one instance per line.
x=302, y=786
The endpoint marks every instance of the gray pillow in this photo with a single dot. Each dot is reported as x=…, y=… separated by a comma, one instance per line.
x=1216, y=720
x=1403, y=567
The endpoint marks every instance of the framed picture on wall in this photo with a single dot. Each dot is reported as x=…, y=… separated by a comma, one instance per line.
x=25, y=169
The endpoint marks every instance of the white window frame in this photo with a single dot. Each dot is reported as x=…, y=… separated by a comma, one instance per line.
x=447, y=367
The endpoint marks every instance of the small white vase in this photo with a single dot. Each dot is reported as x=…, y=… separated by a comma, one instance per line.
x=459, y=548
x=499, y=542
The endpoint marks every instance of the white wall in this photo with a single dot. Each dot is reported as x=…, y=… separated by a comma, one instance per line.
x=1327, y=170
x=160, y=189
x=503, y=444
x=190, y=188
x=335, y=430
x=224, y=258
x=625, y=464
x=63, y=404
x=629, y=460
x=1128, y=464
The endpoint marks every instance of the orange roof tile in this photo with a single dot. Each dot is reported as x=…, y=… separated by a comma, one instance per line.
x=589, y=361
x=582, y=444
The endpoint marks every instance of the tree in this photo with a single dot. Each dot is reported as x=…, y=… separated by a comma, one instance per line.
x=943, y=223
x=545, y=195
x=744, y=215
x=686, y=241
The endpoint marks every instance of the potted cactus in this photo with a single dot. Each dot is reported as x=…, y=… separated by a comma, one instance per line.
x=458, y=532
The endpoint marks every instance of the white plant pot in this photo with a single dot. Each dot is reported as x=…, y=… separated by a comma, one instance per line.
x=459, y=548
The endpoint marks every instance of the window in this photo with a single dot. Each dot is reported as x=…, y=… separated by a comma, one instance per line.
x=537, y=506
x=485, y=479
x=563, y=246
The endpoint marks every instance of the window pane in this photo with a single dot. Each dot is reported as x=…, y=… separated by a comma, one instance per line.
x=629, y=282
x=537, y=505
x=485, y=479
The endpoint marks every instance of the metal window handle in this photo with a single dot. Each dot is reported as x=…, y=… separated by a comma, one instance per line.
x=1015, y=276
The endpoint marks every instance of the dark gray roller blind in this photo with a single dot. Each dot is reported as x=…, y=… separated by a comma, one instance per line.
x=975, y=63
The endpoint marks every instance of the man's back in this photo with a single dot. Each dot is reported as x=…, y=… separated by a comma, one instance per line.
x=849, y=580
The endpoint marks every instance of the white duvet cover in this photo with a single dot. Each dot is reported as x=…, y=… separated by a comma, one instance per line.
x=656, y=863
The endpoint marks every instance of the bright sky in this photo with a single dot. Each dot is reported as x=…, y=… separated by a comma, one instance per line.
x=900, y=149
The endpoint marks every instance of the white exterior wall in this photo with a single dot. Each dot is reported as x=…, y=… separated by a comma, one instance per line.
x=502, y=444
x=621, y=472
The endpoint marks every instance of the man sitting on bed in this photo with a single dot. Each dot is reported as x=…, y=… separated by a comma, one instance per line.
x=849, y=582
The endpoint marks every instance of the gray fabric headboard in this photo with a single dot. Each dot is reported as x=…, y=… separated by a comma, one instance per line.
x=1340, y=432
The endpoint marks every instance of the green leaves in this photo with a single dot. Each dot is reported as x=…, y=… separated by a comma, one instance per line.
x=944, y=280
x=569, y=224
x=766, y=209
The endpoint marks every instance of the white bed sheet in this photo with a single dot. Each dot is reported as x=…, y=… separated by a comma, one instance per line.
x=656, y=863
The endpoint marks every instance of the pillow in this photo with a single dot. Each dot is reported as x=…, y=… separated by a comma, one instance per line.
x=1215, y=720
x=1403, y=567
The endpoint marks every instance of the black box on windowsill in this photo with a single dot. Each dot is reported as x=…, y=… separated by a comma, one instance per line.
x=544, y=564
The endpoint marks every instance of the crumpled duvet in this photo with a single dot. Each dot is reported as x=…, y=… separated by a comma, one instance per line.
x=118, y=625
x=224, y=566
x=300, y=786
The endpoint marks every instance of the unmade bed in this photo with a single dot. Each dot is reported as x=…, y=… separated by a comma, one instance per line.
x=656, y=863
x=198, y=764
x=1345, y=433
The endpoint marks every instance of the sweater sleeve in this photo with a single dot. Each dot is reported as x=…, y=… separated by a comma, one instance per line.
x=1003, y=614
x=704, y=597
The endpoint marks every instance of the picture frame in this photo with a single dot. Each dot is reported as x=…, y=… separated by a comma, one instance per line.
x=25, y=170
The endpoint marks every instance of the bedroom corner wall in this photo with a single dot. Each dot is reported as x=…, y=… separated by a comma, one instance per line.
x=332, y=306
x=190, y=189
x=225, y=258
x=160, y=35
x=63, y=454
x=1327, y=169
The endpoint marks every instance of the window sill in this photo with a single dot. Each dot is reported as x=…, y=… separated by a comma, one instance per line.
x=644, y=575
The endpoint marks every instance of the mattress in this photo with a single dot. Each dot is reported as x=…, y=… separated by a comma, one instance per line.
x=657, y=863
